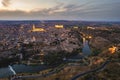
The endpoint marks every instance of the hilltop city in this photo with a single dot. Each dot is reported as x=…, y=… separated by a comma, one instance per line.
x=59, y=50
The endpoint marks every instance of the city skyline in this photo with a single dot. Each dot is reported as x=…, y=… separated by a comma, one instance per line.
x=90, y=10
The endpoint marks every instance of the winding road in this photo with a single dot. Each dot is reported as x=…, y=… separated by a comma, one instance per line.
x=58, y=69
x=93, y=70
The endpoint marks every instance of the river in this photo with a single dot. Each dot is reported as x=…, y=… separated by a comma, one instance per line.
x=86, y=49
x=20, y=68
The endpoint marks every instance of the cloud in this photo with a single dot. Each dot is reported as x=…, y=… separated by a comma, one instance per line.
x=57, y=12
x=60, y=11
x=5, y=3
x=67, y=11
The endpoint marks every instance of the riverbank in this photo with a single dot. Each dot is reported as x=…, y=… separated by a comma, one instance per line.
x=21, y=68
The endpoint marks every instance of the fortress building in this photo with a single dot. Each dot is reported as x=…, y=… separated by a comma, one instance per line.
x=34, y=29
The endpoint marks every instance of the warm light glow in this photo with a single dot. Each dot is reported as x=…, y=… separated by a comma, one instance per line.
x=59, y=26
x=89, y=37
x=98, y=61
x=75, y=27
x=112, y=50
x=26, y=5
x=90, y=27
x=34, y=29
x=84, y=40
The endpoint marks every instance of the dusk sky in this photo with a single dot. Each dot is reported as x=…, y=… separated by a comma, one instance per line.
x=90, y=10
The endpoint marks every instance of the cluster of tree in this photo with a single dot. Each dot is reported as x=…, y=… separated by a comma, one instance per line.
x=7, y=61
x=95, y=52
x=55, y=58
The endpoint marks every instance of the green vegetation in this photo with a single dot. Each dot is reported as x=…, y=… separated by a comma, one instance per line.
x=54, y=58
x=111, y=72
x=7, y=61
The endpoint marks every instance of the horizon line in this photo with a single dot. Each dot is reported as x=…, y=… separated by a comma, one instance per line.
x=61, y=20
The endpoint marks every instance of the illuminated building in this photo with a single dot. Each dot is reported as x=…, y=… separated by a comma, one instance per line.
x=75, y=27
x=89, y=37
x=112, y=50
x=34, y=29
x=84, y=40
x=59, y=26
x=90, y=27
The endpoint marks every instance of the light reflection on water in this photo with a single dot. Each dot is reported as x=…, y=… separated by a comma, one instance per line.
x=6, y=72
x=86, y=49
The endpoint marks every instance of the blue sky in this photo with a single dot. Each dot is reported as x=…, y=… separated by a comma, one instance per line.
x=90, y=10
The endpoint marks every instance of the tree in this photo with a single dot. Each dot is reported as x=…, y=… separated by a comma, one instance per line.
x=54, y=58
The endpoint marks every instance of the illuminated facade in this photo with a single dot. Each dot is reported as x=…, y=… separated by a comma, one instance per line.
x=90, y=27
x=75, y=27
x=89, y=37
x=59, y=26
x=34, y=29
x=112, y=50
